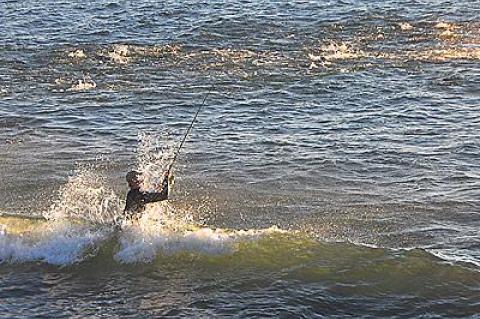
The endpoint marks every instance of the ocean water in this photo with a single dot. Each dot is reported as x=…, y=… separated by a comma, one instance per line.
x=333, y=172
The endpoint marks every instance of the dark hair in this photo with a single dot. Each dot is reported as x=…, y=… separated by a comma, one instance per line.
x=133, y=176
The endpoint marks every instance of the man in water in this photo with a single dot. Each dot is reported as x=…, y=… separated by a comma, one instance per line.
x=137, y=199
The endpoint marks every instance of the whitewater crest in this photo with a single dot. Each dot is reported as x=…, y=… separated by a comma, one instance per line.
x=125, y=54
x=67, y=242
x=120, y=54
x=405, y=26
x=158, y=234
x=82, y=85
x=54, y=242
x=77, y=54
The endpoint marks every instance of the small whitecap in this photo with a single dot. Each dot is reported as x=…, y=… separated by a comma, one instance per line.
x=405, y=26
x=83, y=85
x=315, y=57
x=120, y=54
x=445, y=26
x=77, y=54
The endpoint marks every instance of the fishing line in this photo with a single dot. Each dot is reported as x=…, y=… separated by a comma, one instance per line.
x=189, y=129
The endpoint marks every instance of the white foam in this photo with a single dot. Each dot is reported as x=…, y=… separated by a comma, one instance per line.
x=455, y=256
x=136, y=246
x=445, y=25
x=142, y=242
x=78, y=54
x=315, y=57
x=405, y=26
x=83, y=85
x=64, y=243
x=60, y=245
x=333, y=51
x=447, y=34
x=120, y=54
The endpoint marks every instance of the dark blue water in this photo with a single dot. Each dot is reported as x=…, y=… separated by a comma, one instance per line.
x=350, y=127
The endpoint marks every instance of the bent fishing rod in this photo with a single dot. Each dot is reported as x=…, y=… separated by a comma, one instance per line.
x=189, y=129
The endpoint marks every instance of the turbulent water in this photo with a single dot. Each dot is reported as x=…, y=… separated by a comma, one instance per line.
x=334, y=170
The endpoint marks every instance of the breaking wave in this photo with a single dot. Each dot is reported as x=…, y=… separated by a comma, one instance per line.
x=54, y=243
x=65, y=242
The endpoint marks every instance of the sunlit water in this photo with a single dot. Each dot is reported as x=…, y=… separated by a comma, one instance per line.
x=333, y=171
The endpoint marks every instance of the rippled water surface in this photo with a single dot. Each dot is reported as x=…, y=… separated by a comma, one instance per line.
x=334, y=170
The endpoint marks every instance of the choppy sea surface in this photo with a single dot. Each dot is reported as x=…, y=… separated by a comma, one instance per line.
x=333, y=172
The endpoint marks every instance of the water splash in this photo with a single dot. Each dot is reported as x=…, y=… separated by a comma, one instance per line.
x=153, y=155
x=86, y=196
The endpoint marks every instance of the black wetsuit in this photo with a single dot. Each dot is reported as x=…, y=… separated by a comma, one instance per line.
x=137, y=200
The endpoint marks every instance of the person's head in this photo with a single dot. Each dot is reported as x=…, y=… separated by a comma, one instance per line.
x=134, y=179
